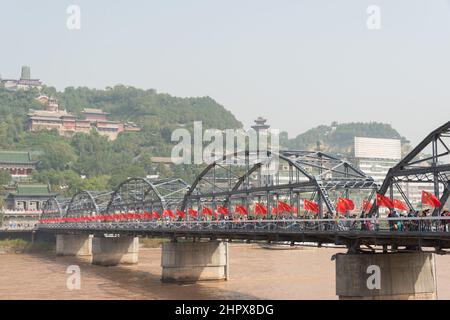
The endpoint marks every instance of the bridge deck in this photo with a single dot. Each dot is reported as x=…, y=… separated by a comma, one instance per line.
x=434, y=234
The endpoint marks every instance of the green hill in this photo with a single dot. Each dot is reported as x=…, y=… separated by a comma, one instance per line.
x=63, y=160
x=339, y=138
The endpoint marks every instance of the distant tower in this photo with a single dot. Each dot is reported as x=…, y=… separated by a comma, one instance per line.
x=26, y=73
x=261, y=128
x=260, y=125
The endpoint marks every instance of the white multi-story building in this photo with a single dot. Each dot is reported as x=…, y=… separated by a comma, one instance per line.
x=376, y=156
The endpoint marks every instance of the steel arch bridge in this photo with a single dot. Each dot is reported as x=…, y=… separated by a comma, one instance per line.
x=55, y=207
x=268, y=177
x=134, y=194
x=87, y=203
x=428, y=163
x=139, y=194
x=247, y=177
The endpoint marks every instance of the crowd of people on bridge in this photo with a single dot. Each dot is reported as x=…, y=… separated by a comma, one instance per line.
x=282, y=211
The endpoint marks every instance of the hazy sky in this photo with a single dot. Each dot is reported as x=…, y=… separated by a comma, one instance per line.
x=297, y=63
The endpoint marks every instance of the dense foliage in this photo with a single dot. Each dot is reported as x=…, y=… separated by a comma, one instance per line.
x=92, y=162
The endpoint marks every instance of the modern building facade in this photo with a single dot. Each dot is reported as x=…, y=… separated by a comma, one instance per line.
x=376, y=156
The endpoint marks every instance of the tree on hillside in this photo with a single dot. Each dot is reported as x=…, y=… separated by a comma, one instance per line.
x=5, y=177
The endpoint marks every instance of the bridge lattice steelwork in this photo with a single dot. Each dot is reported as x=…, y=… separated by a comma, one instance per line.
x=249, y=178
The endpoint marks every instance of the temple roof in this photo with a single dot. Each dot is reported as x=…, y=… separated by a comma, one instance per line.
x=49, y=114
x=15, y=157
x=94, y=111
x=33, y=190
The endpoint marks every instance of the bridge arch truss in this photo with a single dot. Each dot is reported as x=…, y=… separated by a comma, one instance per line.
x=139, y=194
x=428, y=164
x=246, y=177
x=87, y=203
x=55, y=207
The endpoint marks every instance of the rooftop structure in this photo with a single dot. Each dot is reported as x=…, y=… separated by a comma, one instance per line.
x=67, y=124
x=18, y=163
x=24, y=83
x=23, y=206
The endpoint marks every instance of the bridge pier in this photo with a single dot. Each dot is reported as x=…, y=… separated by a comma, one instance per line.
x=73, y=245
x=112, y=251
x=393, y=276
x=194, y=261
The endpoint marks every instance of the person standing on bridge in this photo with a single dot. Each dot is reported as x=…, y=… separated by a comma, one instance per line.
x=391, y=222
x=444, y=223
x=410, y=225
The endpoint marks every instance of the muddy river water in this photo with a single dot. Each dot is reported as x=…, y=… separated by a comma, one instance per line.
x=255, y=273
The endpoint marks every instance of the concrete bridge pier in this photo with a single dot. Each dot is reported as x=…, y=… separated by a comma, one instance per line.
x=386, y=276
x=195, y=261
x=112, y=251
x=74, y=245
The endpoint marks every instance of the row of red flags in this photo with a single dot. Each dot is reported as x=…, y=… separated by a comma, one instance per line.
x=240, y=209
x=383, y=201
x=343, y=205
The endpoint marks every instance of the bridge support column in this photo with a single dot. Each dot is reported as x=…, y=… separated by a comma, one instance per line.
x=111, y=251
x=194, y=261
x=73, y=245
x=393, y=276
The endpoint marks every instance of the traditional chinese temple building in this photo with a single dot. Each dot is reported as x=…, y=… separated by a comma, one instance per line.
x=24, y=205
x=17, y=163
x=24, y=83
x=66, y=123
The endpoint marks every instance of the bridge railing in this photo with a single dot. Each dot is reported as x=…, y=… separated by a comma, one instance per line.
x=400, y=224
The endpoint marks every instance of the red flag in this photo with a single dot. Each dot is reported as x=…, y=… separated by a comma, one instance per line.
x=284, y=207
x=383, y=201
x=168, y=213
x=400, y=205
x=366, y=206
x=181, y=214
x=241, y=209
x=192, y=213
x=260, y=209
x=311, y=206
x=147, y=215
x=222, y=210
x=207, y=211
x=343, y=205
x=430, y=199
x=156, y=215
x=137, y=216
